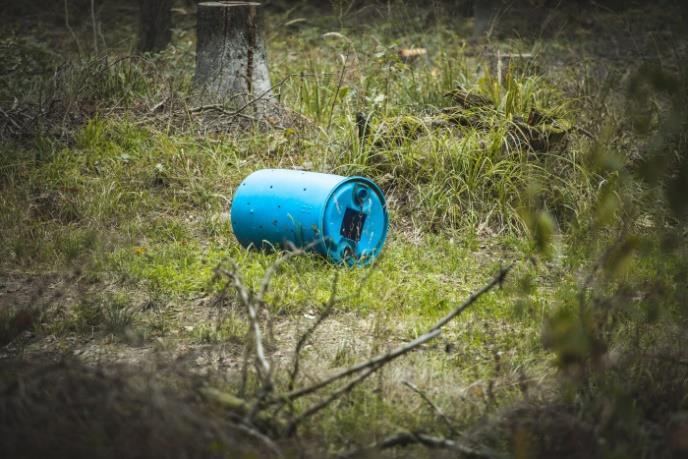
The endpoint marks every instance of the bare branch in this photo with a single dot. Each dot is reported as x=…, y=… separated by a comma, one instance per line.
x=95, y=27
x=272, y=269
x=385, y=358
x=498, y=280
x=239, y=111
x=329, y=306
x=374, y=362
x=434, y=407
x=251, y=301
x=329, y=399
x=69, y=27
x=261, y=437
x=220, y=109
x=246, y=298
x=429, y=441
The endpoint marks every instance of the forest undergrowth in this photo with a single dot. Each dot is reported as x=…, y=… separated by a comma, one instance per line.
x=540, y=166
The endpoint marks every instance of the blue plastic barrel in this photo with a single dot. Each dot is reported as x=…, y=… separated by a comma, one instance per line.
x=343, y=218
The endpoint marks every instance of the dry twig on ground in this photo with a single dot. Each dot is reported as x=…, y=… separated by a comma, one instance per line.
x=253, y=300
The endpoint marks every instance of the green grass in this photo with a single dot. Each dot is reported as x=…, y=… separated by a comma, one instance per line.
x=141, y=202
x=128, y=207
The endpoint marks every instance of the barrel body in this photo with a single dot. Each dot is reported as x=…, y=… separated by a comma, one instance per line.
x=343, y=218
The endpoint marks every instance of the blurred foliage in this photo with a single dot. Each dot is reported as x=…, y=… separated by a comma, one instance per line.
x=621, y=344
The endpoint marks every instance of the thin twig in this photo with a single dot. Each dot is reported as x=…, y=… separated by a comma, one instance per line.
x=247, y=300
x=597, y=265
x=389, y=356
x=69, y=27
x=222, y=110
x=498, y=280
x=434, y=407
x=291, y=429
x=384, y=358
x=10, y=119
x=238, y=111
x=272, y=269
x=585, y=132
x=244, y=368
x=250, y=300
x=261, y=437
x=329, y=306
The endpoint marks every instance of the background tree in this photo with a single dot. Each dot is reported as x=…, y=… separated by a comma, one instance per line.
x=155, y=26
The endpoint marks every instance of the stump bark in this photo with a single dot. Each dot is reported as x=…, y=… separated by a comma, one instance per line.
x=231, y=65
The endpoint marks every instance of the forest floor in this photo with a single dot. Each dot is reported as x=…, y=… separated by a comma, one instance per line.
x=115, y=194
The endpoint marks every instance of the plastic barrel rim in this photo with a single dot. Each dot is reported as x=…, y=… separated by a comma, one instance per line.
x=343, y=218
x=355, y=220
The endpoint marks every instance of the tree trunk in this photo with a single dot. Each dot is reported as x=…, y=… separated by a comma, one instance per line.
x=231, y=65
x=155, y=25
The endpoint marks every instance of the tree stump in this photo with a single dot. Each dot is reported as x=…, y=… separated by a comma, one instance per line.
x=231, y=65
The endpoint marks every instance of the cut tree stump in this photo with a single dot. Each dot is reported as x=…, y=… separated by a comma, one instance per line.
x=231, y=65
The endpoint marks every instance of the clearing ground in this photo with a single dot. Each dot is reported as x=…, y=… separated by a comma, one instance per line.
x=114, y=195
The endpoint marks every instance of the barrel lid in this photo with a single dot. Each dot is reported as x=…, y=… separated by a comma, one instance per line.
x=355, y=221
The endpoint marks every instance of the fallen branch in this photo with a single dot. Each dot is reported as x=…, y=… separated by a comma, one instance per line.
x=403, y=439
x=585, y=132
x=239, y=111
x=219, y=108
x=468, y=99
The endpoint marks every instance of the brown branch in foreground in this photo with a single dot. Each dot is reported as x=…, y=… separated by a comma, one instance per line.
x=389, y=356
x=497, y=280
x=434, y=407
x=251, y=301
x=411, y=438
x=246, y=298
x=374, y=362
x=292, y=251
x=293, y=425
x=329, y=306
x=269, y=444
